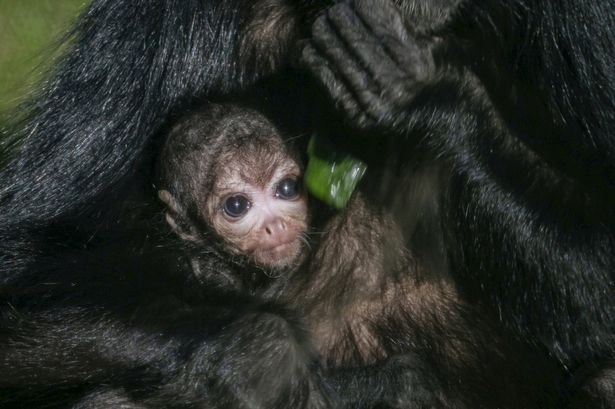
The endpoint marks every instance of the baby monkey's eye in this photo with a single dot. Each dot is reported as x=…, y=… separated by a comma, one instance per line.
x=237, y=205
x=287, y=189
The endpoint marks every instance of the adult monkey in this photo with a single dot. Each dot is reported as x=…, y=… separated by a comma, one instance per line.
x=66, y=333
x=511, y=102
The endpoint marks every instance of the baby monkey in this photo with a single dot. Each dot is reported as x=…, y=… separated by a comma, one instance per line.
x=232, y=190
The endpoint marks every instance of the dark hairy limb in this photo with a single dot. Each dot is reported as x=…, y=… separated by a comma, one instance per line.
x=175, y=351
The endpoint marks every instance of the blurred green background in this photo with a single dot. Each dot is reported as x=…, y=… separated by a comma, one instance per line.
x=29, y=30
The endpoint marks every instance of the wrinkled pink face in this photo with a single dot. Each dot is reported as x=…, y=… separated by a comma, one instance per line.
x=262, y=213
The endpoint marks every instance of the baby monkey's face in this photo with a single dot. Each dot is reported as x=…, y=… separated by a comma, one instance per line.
x=259, y=208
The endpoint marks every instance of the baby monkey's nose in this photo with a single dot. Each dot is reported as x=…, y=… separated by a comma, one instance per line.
x=276, y=232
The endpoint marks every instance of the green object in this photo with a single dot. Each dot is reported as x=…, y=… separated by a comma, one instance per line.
x=29, y=34
x=332, y=176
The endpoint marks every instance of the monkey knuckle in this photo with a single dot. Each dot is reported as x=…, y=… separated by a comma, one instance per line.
x=421, y=67
x=349, y=107
x=345, y=20
x=308, y=54
x=363, y=121
x=398, y=94
x=321, y=30
x=390, y=18
x=339, y=11
x=369, y=8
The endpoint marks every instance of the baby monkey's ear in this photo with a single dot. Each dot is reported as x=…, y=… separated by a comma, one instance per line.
x=177, y=218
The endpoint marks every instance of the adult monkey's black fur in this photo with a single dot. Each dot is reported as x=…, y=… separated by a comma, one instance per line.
x=93, y=312
x=511, y=102
x=67, y=331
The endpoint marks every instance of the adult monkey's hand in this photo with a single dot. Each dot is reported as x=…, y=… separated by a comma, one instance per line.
x=369, y=60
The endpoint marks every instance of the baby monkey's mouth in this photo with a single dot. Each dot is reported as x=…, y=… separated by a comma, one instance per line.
x=279, y=256
x=279, y=246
